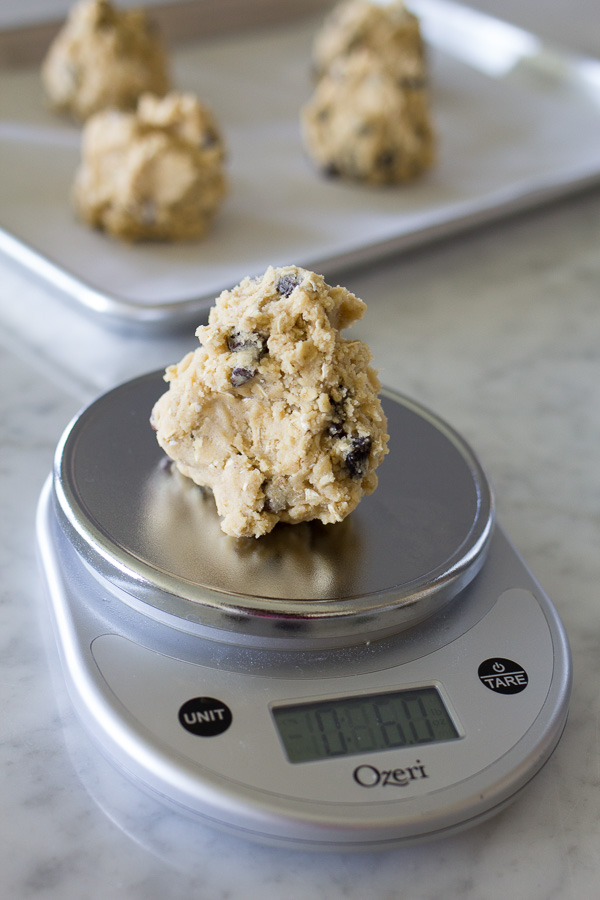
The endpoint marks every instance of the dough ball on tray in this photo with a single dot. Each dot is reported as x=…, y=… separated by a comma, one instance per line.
x=388, y=30
x=104, y=58
x=367, y=122
x=153, y=174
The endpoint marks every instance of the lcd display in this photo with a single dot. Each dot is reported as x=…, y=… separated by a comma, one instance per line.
x=363, y=724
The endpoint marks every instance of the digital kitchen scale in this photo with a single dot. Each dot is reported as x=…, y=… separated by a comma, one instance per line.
x=392, y=678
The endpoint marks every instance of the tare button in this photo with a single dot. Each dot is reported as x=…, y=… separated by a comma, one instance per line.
x=503, y=676
x=205, y=716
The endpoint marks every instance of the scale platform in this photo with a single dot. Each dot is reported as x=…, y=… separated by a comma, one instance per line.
x=386, y=680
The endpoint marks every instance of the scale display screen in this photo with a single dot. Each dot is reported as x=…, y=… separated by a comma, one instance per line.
x=363, y=724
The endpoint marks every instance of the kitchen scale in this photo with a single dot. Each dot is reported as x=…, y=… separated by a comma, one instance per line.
x=392, y=678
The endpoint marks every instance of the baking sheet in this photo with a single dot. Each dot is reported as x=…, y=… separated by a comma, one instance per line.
x=518, y=124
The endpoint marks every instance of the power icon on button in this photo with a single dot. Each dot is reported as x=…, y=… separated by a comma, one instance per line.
x=503, y=676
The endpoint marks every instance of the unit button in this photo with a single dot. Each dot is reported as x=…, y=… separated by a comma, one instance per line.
x=503, y=676
x=205, y=716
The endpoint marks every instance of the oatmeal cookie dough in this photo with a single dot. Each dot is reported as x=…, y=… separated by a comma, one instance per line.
x=102, y=58
x=276, y=413
x=156, y=174
x=390, y=31
x=365, y=123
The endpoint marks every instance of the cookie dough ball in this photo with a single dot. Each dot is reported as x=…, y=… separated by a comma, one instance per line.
x=276, y=412
x=390, y=31
x=365, y=123
x=104, y=58
x=156, y=174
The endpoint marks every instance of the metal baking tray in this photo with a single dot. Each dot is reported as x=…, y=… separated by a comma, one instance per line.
x=518, y=125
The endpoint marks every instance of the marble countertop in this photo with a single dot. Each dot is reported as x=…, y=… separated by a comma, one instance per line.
x=498, y=332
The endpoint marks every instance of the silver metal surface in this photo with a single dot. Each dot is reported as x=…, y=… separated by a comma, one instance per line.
x=401, y=556
x=530, y=112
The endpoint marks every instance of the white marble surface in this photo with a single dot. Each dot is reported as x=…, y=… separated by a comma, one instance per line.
x=498, y=332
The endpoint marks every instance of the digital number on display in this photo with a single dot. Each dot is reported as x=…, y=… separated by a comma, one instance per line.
x=363, y=724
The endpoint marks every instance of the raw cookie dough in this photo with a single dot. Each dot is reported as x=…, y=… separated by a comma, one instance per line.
x=364, y=122
x=391, y=32
x=276, y=412
x=156, y=174
x=104, y=58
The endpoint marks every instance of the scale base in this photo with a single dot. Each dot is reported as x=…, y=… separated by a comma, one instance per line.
x=115, y=660
x=388, y=680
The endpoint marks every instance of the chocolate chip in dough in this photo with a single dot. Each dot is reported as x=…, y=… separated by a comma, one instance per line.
x=247, y=340
x=357, y=457
x=286, y=285
x=240, y=375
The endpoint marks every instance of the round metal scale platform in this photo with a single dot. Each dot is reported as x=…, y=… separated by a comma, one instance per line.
x=403, y=554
